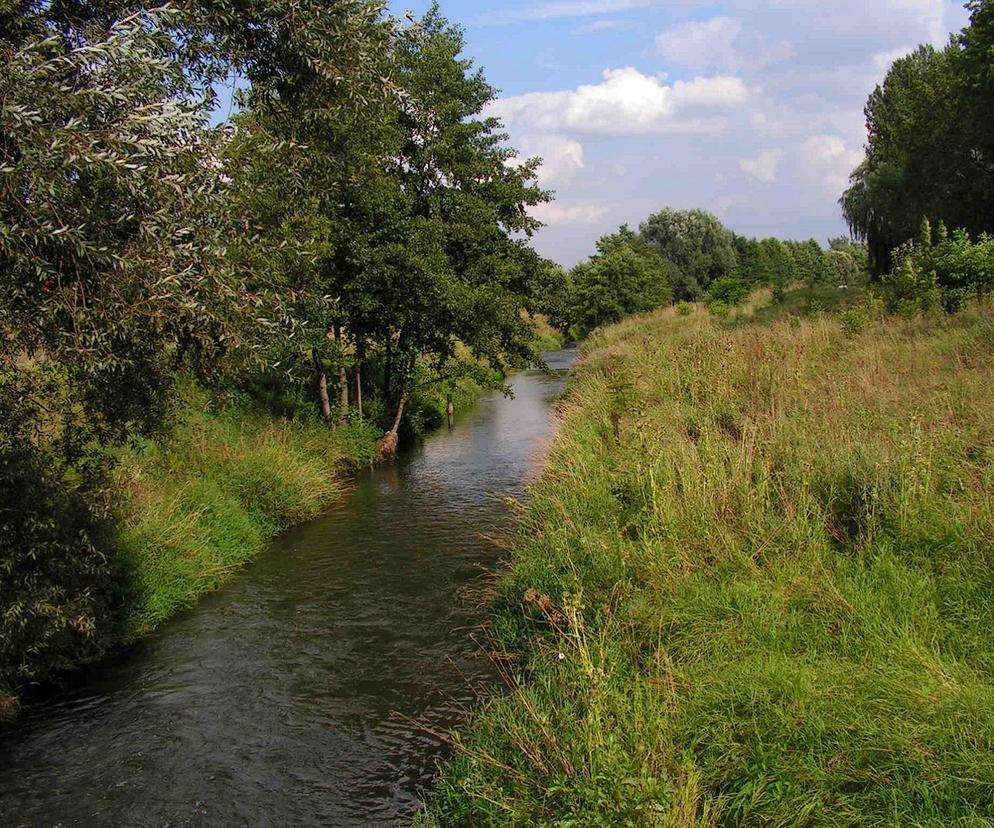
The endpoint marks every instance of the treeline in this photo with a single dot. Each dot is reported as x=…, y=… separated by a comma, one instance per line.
x=923, y=198
x=355, y=234
x=688, y=255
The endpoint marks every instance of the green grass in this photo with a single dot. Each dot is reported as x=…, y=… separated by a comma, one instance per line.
x=752, y=587
x=201, y=502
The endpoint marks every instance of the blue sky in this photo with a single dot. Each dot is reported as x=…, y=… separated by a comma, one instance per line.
x=752, y=110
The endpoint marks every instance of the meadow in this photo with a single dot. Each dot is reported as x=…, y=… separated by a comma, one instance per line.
x=753, y=584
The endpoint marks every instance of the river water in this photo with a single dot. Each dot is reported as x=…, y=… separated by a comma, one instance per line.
x=286, y=698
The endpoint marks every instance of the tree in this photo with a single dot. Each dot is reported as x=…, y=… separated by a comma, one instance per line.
x=455, y=272
x=109, y=256
x=930, y=149
x=696, y=242
x=624, y=277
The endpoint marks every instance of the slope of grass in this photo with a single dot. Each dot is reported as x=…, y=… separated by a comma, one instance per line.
x=198, y=504
x=753, y=586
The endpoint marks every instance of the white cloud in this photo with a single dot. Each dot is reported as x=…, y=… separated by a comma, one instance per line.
x=764, y=166
x=882, y=60
x=719, y=43
x=562, y=157
x=830, y=161
x=701, y=45
x=555, y=214
x=559, y=9
x=627, y=102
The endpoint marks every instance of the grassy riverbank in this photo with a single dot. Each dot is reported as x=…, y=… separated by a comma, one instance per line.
x=205, y=500
x=187, y=510
x=753, y=585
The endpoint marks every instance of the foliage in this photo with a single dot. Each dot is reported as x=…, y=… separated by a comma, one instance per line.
x=57, y=584
x=696, y=242
x=107, y=253
x=625, y=277
x=751, y=586
x=931, y=145
x=939, y=268
x=728, y=289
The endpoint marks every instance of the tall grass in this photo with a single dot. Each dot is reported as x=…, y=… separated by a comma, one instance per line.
x=198, y=504
x=754, y=586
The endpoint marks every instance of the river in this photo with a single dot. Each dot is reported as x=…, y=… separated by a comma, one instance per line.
x=287, y=697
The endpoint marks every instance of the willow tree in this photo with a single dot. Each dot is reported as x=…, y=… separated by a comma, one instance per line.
x=930, y=147
x=108, y=254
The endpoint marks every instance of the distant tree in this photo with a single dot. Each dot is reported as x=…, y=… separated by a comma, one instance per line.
x=779, y=264
x=625, y=276
x=696, y=242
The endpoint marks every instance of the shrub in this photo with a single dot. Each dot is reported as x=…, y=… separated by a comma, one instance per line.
x=729, y=289
x=939, y=269
x=57, y=587
x=855, y=319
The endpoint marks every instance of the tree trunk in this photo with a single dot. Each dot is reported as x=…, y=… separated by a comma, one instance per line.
x=358, y=389
x=343, y=380
x=449, y=410
x=321, y=381
x=387, y=445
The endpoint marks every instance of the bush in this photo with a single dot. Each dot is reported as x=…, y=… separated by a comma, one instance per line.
x=684, y=308
x=58, y=599
x=855, y=319
x=729, y=289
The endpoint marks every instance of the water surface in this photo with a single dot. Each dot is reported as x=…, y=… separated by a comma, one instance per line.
x=285, y=698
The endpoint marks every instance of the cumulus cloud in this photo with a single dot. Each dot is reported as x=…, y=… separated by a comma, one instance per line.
x=556, y=214
x=829, y=161
x=764, y=166
x=626, y=102
x=562, y=157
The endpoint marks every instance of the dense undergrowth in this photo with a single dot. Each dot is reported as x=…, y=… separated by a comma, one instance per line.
x=753, y=585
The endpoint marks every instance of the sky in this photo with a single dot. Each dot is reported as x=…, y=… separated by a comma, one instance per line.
x=751, y=110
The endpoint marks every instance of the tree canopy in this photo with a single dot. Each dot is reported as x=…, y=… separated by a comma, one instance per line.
x=930, y=147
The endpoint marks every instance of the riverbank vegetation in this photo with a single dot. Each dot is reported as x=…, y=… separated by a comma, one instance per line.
x=753, y=583
x=200, y=323
x=193, y=508
x=688, y=255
